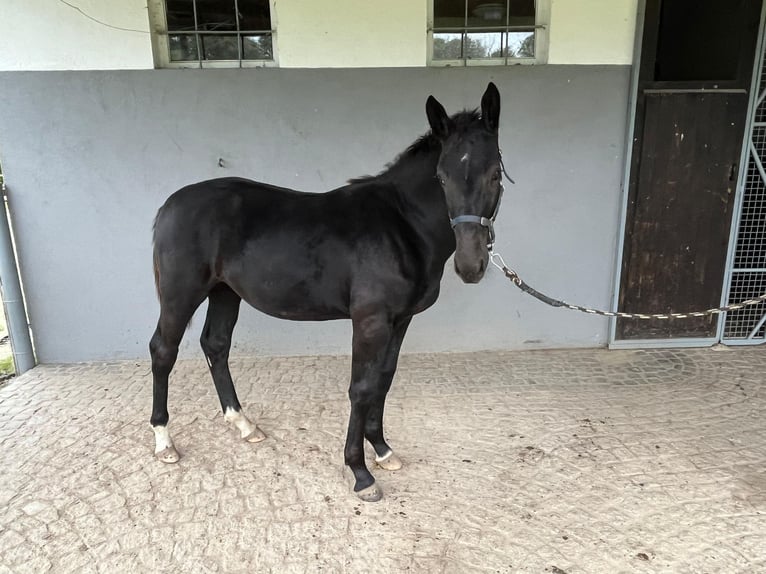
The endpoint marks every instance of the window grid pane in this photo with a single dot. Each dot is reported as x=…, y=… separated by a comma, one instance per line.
x=257, y=47
x=521, y=45
x=219, y=30
x=217, y=16
x=476, y=29
x=482, y=45
x=448, y=46
x=183, y=47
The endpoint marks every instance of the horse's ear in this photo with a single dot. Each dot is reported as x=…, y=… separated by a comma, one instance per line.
x=437, y=118
x=490, y=108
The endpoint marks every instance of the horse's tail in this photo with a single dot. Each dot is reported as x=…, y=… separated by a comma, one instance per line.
x=157, y=276
x=155, y=259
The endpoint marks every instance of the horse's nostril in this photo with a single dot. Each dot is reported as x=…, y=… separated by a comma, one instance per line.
x=482, y=266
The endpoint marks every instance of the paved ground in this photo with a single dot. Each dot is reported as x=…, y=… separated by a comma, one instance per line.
x=573, y=461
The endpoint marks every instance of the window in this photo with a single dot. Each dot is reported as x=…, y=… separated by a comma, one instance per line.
x=476, y=32
x=213, y=33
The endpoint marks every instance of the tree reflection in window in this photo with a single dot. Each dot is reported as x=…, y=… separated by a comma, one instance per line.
x=476, y=30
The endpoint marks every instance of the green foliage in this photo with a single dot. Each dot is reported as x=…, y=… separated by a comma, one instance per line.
x=474, y=48
x=527, y=48
x=447, y=49
x=6, y=366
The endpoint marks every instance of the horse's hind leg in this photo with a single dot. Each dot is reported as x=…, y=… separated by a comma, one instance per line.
x=222, y=313
x=175, y=314
x=373, y=426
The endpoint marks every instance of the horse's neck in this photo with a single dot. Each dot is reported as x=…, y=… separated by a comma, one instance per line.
x=424, y=206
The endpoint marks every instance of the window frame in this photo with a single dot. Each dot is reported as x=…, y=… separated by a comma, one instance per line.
x=161, y=46
x=542, y=24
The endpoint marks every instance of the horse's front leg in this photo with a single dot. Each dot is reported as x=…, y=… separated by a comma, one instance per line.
x=372, y=335
x=373, y=429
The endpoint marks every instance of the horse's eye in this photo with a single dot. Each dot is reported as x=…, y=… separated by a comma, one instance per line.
x=496, y=176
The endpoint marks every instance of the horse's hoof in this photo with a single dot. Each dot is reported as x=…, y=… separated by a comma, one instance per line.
x=255, y=436
x=168, y=455
x=389, y=461
x=372, y=493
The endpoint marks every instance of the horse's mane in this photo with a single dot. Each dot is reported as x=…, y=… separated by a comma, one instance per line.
x=425, y=144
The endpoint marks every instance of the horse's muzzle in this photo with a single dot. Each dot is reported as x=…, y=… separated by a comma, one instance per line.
x=473, y=275
x=471, y=255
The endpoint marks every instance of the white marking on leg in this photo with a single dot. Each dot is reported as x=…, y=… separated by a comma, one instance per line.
x=247, y=430
x=384, y=457
x=162, y=439
x=388, y=461
x=163, y=445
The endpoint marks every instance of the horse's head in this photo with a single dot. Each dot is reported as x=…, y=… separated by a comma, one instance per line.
x=469, y=172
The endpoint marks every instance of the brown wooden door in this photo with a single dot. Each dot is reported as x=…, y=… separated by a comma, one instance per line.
x=693, y=93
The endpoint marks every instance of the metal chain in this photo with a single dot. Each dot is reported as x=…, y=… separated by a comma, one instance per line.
x=498, y=262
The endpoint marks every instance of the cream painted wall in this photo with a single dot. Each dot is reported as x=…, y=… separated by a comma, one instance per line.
x=351, y=33
x=328, y=33
x=592, y=31
x=50, y=35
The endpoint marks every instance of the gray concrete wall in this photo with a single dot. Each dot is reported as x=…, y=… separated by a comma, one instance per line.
x=90, y=156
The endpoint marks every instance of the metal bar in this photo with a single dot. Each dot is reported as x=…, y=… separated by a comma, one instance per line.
x=465, y=13
x=629, y=134
x=749, y=270
x=239, y=36
x=13, y=298
x=463, y=35
x=747, y=148
x=757, y=328
x=760, y=98
x=505, y=33
x=757, y=160
x=623, y=344
x=196, y=29
x=221, y=32
x=741, y=342
x=489, y=28
x=696, y=91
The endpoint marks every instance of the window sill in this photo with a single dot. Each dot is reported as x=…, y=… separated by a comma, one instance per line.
x=468, y=63
x=219, y=64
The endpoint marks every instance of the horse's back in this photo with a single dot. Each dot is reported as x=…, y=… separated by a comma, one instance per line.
x=213, y=197
x=229, y=207
x=217, y=210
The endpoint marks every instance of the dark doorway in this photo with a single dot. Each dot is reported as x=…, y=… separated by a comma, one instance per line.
x=691, y=109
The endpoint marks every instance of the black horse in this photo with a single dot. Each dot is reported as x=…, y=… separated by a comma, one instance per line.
x=372, y=251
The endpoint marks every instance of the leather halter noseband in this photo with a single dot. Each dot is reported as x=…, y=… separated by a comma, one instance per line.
x=487, y=222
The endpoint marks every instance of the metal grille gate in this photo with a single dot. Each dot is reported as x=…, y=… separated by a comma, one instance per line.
x=747, y=273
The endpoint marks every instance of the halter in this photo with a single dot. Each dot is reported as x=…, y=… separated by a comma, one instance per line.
x=488, y=222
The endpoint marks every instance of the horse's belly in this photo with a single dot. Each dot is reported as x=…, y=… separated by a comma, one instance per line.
x=300, y=301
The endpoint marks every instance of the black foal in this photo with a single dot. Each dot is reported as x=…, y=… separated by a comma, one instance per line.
x=372, y=251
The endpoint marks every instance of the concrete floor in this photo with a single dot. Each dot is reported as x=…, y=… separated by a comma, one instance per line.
x=550, y=461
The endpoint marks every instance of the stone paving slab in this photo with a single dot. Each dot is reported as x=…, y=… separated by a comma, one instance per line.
x=547, y=461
